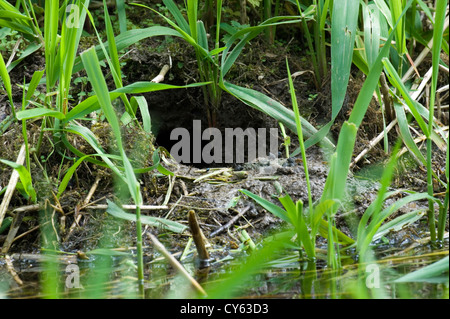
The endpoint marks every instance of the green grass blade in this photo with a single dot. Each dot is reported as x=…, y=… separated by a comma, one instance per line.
x=145, y=114
x=100, y=88
x=51, y=20
x=192, y=11
x=298, y=123
x=177, y=15
x=366, y=232
x=160, y=223
x=365, y=95
x=91, y=103
x=144, y=87
x=37, y=76
x=338, y=236
x=398, y=223
x=113, y=55
x=7, y=83
x=272, y=108
x=156, y=163
x=434, y=273
x=295, y=214
x=98, y=82
x=319, y=210
x=269, y=206
x=68, y=175
x=39, y=112
x=372, y=32
x=5, y=224
x=231, y=53
x=128, y=38
x=395, y=80
x=343, y=32
x=400, y=34
x=335, y=187
x=32, y=48
x=25, y=178
x=71, y=31
x=405, y=133
x=290, y=208
x=441, y=7
x=93, y=142
x=120, y=4
x=201, y=34
x=190, y=38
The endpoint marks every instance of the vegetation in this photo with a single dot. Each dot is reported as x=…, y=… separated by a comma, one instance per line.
x=111, y=130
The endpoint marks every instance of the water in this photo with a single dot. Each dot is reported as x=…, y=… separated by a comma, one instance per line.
x=106, y=276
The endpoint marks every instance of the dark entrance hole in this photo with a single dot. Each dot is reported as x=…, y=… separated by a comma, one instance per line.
x=233, y=114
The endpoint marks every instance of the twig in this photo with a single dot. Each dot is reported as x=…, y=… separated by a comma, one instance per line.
x=421, y=138
x=28, y=231
x=65, y=257
x=169, y=189
x=176, y=264
x=28, y=208
x=17, y=220
x=230, y=222
x=422, y=55
x=415, y=95
x=373, y=142
x=218, y=172
x=173, y=207
x=12, y=271
x=143, y=207
x=197, y=234
x=12, y=184
x=14, y=51
x=85, y=202
x=443, y=68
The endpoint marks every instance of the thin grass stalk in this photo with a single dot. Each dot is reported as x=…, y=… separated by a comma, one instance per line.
x=139, y=251
x=412, y=26
x=51, y=20
x=91, y=63
x=25, y=135
x=300, y=139
x=431, y=217
x=276, y=12
x=267, y=14
x=441, y=6
x=444, y=210
x=312, y=52
x=122, y=15
x=25, y=100
x=50, y=37
x=319, y=39
x=219, y=18
x=34, y=21
x=365, y=229
x=114, y=63
x=7, y=84
x=332, y=257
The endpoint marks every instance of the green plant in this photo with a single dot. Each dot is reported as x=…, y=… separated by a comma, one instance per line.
x=343, y=31
x=436, y=272
x=214, y=69
x=12, y=18
x=59, y=117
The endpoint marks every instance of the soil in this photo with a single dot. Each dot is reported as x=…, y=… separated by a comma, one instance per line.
x=261, y=67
